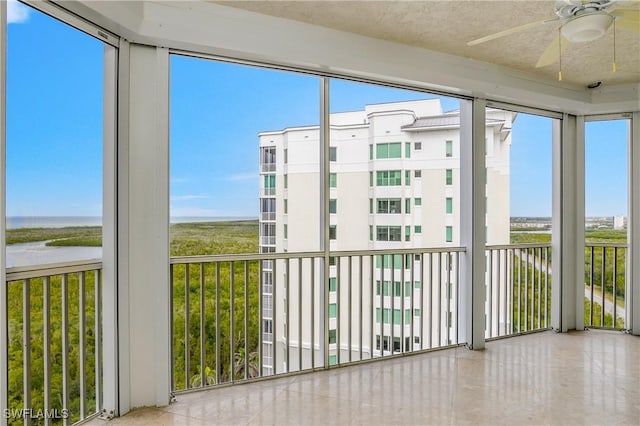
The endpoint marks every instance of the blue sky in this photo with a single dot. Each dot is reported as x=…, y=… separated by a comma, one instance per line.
x=54, y=132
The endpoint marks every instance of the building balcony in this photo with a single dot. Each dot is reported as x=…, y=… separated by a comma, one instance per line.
x=267, y=167
x=267, y=192
x=268, y=216
x=64, y=365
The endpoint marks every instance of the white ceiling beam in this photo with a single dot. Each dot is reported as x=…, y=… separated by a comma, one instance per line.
x=225, y=31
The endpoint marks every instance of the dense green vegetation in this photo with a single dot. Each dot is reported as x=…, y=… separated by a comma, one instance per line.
x=189, y=239
x=531, y=292
x=614, y=264
x=186, y=240
x=15, y=327
x=219, y=341
x=68, y=236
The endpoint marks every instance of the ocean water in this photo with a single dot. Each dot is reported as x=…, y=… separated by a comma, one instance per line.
x=17, y=222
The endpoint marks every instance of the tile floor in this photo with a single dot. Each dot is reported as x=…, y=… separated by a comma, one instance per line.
x=590, y=377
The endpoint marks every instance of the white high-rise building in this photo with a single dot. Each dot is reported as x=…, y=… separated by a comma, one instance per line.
x=394, y=184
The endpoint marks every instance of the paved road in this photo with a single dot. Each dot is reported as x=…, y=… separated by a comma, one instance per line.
x=597, y=297
x=608, y=307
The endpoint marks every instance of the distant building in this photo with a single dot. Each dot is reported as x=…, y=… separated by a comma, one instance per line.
x=394, y=183
x=619, y=222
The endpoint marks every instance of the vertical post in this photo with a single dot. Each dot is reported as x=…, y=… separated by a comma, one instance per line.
x=567, y=240
x=115, y=248
x=26, y=347
x=109, y=308
x=4, y=342
x=324, y=218
x=143, y=225
x=632, y=290
x=472, y=221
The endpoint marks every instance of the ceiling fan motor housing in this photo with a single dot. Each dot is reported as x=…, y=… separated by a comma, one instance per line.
x=586, y=26
x=568, y=8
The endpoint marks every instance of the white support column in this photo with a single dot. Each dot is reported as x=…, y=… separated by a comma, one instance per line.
x=109, y=225
x=472, y=221
x=3, y=259
x=143, y=204
x=568, y=224
x=633, y=226
x=324, y=218
x=123, y=401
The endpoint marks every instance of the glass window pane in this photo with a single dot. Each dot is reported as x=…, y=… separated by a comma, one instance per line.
x=54, y=141
x=333, y=180
x=382, y=150
x=333, y=284
x=395, y=150
x=397, y=316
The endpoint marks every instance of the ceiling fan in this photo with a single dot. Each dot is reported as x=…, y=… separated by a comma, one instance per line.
x=580, y=21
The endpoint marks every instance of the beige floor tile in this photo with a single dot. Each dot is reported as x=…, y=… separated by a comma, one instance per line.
x=542, y=378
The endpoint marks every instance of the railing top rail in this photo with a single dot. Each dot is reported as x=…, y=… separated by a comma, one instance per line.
x=518, y=246
x=50, y=269
x=347, y=253
x=604, y=244
x=242, y=257
x=175, y=260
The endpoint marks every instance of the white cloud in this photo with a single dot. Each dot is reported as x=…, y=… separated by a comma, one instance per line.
x=179, y=180
x=243, y=176
x=189, y=197
x=17, y=13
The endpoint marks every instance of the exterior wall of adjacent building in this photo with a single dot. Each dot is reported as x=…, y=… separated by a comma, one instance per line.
x=427, y=215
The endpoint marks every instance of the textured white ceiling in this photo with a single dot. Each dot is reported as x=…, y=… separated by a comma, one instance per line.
x=447, y=25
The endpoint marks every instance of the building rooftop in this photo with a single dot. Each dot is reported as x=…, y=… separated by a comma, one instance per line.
x=447, y=120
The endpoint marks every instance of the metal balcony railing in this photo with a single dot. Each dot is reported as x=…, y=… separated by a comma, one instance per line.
x=268, y=216
x=518, y=298
x=268, y=167
x=267, y=192
x=54, y=344
x=321, y=315
x=605, y=285
x=268, y=240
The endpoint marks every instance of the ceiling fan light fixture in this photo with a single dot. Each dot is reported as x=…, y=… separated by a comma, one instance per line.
x=586, y=27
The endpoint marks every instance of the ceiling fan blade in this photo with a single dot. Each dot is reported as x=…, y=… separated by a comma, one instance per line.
x=511, y=31
x=552, y=52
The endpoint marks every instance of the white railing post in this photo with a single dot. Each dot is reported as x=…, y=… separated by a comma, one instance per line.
x=472, y=221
